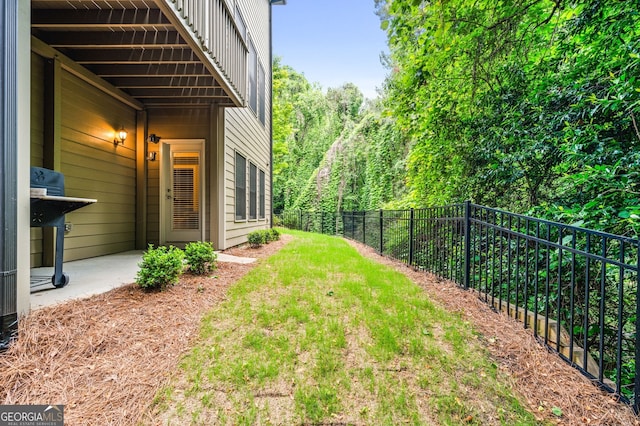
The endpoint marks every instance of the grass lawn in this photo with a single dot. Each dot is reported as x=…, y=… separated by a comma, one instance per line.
x=317, y=334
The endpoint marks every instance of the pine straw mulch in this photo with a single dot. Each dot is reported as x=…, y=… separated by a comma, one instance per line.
x=541, y=378
x=105, y=357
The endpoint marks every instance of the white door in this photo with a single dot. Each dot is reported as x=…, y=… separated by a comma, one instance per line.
x=182, y=191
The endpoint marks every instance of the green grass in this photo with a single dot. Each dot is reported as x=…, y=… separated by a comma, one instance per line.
x=319, y=334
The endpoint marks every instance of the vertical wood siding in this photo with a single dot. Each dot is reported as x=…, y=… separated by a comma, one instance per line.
x=94, y=168
x=243, y=130
x=37, y=138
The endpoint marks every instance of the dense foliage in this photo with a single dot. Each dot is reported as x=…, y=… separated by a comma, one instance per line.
x=200, y=256
x=262, y=236
x=160, y=267
x=527, y=105
x=332, y=150
x=520, y=104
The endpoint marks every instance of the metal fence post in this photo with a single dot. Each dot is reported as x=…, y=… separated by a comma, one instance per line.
x=636, y=379
x=411, y=231
x=381, y=236
x=467, y=243
x=364, y=227
x=353, y=225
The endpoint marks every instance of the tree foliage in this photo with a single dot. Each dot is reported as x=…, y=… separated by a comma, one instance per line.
x=523, y=104
x=528, y=105
x=332, y=150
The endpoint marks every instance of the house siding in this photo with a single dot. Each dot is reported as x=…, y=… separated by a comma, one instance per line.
x=37, y=138
x=176, y=124
x=94, y=168
x=245, y=133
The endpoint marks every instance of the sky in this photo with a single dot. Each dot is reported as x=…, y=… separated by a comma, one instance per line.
x=331, y=42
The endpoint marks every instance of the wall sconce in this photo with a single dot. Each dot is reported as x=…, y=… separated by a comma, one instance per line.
x=120, y=137
x=152, y=156
x=153, y=138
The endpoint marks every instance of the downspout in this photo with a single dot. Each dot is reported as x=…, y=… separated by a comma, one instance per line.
x=8, y=183
x=270, y=117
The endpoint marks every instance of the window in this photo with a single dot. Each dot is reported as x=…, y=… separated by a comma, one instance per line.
x=256, y=89
x=241, y=187
x=253, y=191
x=261, y=89
x=262, y=195
x=242, y=28
x=252, y=71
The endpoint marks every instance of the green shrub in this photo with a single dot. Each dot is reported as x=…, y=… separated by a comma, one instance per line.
x=256, y=238
x=275, y=234
x=262, y=236
x=201, y=257
x=160, y=267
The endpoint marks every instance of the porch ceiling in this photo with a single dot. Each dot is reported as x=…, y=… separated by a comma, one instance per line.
x=132, y=45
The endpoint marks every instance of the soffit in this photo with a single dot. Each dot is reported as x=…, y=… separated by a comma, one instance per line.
x=132, y=45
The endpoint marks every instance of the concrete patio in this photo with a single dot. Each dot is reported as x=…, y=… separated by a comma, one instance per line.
x=89, y=277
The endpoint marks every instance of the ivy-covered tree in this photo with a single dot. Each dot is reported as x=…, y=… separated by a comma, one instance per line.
x=332, y=150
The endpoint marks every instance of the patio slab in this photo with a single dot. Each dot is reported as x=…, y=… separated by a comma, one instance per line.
x=222, y=257
x=88, y=277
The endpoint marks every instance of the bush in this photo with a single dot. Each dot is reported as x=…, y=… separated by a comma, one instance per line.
x=263, y=236
x=200, y=257
x=257, y=238
x=160, y=267
x=274, y=234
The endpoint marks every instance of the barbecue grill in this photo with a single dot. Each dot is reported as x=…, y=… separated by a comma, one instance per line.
x=48, y=207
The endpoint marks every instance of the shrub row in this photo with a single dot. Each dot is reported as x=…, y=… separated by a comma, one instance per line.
x=162, y=266
x=263, y=236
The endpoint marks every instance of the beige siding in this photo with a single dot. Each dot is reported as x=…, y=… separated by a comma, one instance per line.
x=94, y=168
x=245, y=133
x=37, y=137
x=173, y=123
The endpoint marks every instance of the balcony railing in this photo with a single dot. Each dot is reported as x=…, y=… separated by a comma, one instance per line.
x=212, y=24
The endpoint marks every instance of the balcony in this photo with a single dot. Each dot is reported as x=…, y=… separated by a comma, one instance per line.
x=160, y=52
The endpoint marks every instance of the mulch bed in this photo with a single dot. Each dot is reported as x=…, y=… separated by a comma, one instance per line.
x=105, y=357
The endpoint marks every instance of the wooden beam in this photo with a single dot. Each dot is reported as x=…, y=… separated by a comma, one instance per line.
x=83, y=18
x=164, y=70
x=135, y=56
x=141, y=179
x=51, y=150
x=196, y=92
x=67, y=64
x=186, y=103
x=114, y=39
x=164, y=82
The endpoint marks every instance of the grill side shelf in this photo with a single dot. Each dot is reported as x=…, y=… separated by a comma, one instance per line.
x=49, y=210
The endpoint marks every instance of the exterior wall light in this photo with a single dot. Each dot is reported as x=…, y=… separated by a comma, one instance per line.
x=121, y=136
x=153, y=138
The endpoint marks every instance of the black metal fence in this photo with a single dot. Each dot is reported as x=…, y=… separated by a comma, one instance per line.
x=576, y=288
